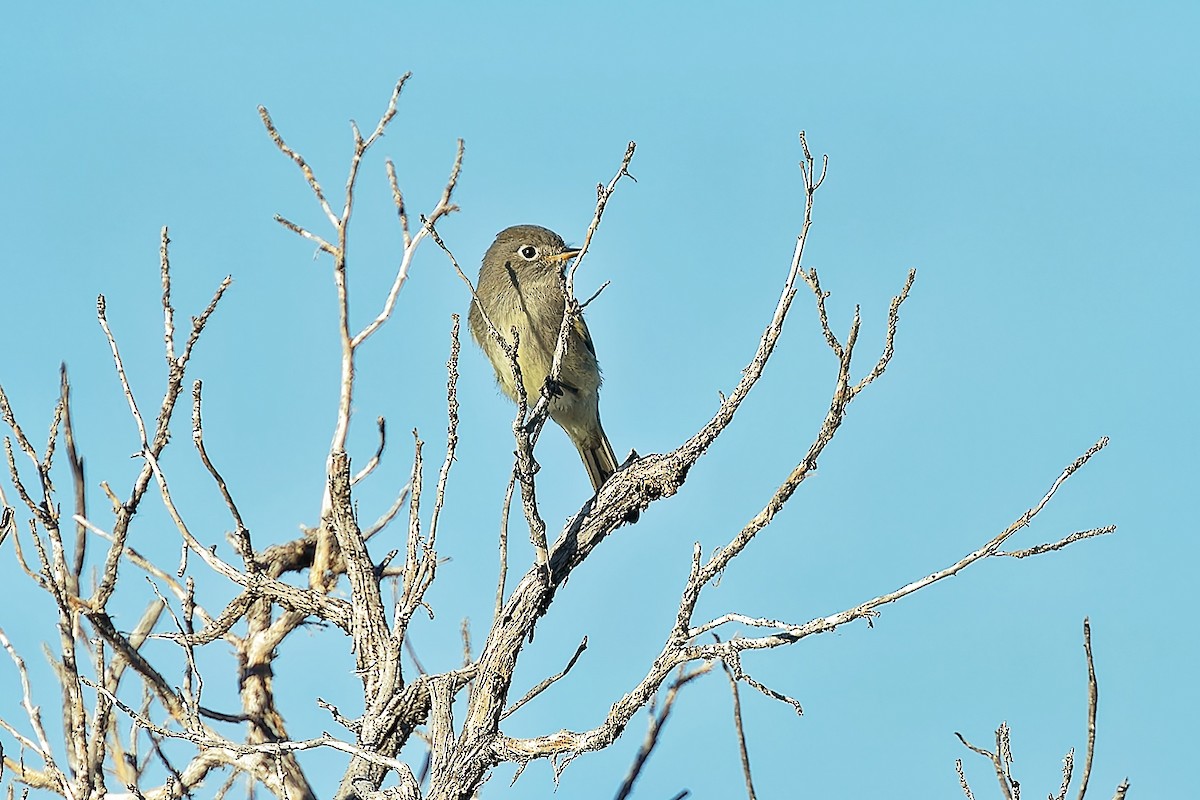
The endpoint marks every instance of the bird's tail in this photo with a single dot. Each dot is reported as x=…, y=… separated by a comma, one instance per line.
x=598, y=459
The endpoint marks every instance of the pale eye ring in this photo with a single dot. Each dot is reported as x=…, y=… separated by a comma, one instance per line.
x=528, y=252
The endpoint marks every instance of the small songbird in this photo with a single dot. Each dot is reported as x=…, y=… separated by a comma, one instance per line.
x=520, y=287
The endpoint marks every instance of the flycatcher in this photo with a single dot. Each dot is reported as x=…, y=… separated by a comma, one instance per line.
x=520, y=287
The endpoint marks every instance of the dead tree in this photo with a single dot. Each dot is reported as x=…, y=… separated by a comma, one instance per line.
x=126, y=723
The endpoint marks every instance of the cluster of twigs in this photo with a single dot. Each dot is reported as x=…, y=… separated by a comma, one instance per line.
x=458, y=713
x=1001, y=757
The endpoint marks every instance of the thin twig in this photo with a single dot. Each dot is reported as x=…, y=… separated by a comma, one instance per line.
x=241, y=532
x=868, y=608
x=464, y=631
x=102, y=314
x=657, y=719
x=75, y=461
x=502, y=579
x=595, y=294
x=547, y=683
x=1093, y=699
x=313, y=184
x=962, y=779
x=740, y=731
x=1067, y=770
x=138, y=560
x=206, y=741
x=451, y=437
x=1037, y=550
x=386, y=518
x=997, y=763
x=34, y=713
x=373, y=461
x=443, y=208
x=303, y=232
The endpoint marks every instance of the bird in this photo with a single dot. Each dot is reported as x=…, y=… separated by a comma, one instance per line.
x=520, y=287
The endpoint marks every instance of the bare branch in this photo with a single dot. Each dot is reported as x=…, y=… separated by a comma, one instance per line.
x=6, y=414
x=214, y=561
x=373, y=647
x=331, y=609
x=398, y=201
x=1002, y=757
x=207, y=742
x=373, y=462
x=451, y=437
x=142, y=563
x=995, y=758
x=890, y=339
x=1037, y=550
x=464, y=630
x=594, y=295
x=677, y=651
x=386, y=518
x=77, y=478
x=769, y=692
x=443, y=208
x=1067, y=769
x=412, y=591
x=548, y=682
x=502, y=578
x=741, y=733
x=241, y=533
x=657, y=718
x=1093, y=699
x=34, y=713
x=175, y=372
x=7, y=519
x=390, y=112
x=962, y=779
x=305, y=233
x=102, y=314
x=198, y=324
x=868, y=608
x=313, y=184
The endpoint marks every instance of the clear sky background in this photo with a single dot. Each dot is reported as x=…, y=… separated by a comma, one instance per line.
x=1036, y=163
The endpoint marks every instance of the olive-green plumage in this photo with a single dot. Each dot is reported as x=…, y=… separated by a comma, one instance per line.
x=519, y=287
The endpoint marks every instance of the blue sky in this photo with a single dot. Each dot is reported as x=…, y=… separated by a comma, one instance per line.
x=1034, y=162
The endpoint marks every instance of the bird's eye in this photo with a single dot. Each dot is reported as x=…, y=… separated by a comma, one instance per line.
x=528, y=252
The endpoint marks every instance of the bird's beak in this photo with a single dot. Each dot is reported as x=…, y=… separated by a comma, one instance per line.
x=564, y=255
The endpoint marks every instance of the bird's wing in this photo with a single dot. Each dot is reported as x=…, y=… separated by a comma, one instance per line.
x=581, y=329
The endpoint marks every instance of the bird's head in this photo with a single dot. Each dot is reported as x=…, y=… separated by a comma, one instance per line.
x=529, y=249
